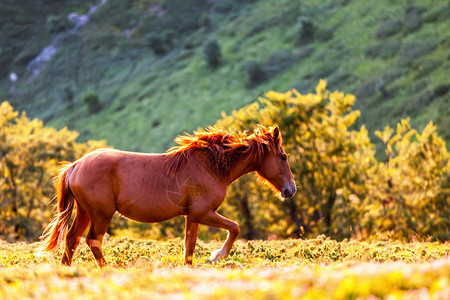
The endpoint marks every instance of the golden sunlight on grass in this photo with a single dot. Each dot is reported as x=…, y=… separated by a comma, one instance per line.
x=311, y=269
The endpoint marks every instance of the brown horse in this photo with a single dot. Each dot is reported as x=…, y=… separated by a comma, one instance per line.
x=190, y=179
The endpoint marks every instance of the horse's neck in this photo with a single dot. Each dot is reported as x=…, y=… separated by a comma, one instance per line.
x=242, y=166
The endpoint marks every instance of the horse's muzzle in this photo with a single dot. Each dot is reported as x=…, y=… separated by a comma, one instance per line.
x=289, y=191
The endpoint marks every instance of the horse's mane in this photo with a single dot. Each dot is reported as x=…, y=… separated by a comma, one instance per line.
x=222, y=148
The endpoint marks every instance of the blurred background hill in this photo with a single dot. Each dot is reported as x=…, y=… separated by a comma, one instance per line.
x=137, y=73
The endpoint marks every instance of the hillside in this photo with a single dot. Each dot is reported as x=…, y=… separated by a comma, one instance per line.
x=144, y=61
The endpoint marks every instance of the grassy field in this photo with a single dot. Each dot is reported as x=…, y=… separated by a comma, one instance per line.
x=290, y=269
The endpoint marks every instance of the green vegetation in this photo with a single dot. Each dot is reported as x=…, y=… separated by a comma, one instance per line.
x=392, y=54
x=26, y=28
x=312, y=269
x=92, y=101
x=212, y=53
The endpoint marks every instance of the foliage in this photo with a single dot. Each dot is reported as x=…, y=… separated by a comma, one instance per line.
x=212, y=53
x=306, y=30
x=343, y=190
x=327, y=159
x=411, y=192
x=92, y=101
x=30, y=156
x=255, y=73
x=160, y=43
x=291, y=269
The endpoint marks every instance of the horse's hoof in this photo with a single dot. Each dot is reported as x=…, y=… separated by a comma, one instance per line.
x=217, y=255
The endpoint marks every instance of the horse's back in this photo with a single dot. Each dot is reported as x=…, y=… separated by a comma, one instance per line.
x=96, y=165
x=116, y=166
x=135, y=184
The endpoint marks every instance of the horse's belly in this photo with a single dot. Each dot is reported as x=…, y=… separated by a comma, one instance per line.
x=157, y=199
x=149, y=211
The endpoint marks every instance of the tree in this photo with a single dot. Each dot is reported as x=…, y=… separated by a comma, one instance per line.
x=160, y=43
x=29, y=158
x=306, y=30
x=212, y=53
x=410, y=191
x=328, y=160
x=92, y=101
x=256, y=73
x=343, y=191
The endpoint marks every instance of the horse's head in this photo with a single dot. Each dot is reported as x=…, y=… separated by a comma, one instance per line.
x=275, y=169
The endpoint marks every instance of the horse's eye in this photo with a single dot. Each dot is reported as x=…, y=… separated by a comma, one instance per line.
x=284, y=157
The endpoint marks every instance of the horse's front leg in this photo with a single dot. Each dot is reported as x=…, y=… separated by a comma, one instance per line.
x=189, y=240
x=212, y=218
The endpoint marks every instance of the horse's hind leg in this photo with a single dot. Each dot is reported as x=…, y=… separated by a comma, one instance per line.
x=190, y=240
x=94, y=239
x=73, y=237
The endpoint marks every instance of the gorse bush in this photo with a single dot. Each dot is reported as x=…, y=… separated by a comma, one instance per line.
x=326, y=158
x=410, y=194
x=343, y=191
x=29, y=158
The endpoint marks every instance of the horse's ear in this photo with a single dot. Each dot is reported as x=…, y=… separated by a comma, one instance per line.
x=276, y=136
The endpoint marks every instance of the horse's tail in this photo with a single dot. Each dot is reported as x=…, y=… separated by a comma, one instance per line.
x=55, y=232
